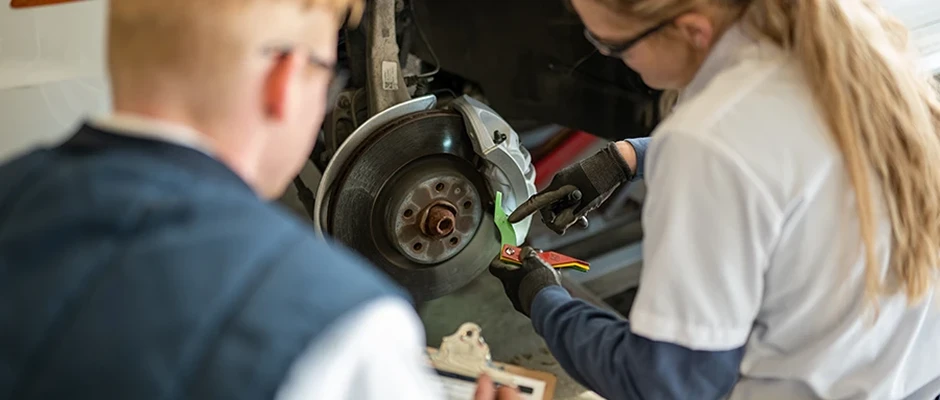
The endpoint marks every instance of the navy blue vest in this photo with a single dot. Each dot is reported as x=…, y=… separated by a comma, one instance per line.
x=136, y=269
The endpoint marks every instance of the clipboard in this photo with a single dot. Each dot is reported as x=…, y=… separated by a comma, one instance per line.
x=464, y=356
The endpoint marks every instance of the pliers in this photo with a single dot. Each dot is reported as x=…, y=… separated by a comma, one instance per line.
x=510, y=253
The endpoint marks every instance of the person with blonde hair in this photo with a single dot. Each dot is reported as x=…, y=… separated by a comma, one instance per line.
x=142, y=258
x=792, y=219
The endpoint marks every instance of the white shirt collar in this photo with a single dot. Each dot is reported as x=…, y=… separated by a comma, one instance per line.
x=155, y=129
x=727, y=52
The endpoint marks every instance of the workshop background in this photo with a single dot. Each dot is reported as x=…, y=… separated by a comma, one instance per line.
x=527, y=66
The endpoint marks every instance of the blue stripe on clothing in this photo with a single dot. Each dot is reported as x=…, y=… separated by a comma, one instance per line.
x=639, y=146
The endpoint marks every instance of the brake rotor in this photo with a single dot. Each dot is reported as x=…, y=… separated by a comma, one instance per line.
x=413, y=202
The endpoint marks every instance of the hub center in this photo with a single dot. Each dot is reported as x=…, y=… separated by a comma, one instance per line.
x=439, y=219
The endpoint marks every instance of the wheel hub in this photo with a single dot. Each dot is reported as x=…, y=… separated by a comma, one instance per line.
x=435, y=217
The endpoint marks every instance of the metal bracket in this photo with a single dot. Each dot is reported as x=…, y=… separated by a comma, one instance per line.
x=385, y=83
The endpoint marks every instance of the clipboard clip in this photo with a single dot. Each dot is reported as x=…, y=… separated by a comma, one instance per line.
x=465, y=353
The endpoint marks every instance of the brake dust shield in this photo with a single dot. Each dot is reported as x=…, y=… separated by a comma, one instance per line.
x=413, y=202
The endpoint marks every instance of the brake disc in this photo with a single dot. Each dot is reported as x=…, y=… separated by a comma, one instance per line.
x=411, y=189
x=413, y=201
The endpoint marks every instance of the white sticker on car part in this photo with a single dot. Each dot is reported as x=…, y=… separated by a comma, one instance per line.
x=389, y=75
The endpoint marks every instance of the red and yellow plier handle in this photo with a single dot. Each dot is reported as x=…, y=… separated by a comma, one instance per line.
x=511, y=254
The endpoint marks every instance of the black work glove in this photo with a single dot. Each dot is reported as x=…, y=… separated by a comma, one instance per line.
x=523, y=282
x=577, y=190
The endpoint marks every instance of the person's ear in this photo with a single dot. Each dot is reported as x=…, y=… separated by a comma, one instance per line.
x=277, y=86
x=696, y=29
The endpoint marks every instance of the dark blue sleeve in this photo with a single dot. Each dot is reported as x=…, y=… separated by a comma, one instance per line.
x=639, y=146
x=598, y=350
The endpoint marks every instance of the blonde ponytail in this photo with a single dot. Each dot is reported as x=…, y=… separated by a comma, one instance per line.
x=884, y=115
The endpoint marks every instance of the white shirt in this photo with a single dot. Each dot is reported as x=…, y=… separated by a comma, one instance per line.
x=376, y=352
x=373, y=352
x=751, y=239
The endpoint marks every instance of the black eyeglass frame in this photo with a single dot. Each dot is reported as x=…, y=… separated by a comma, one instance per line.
x=617, y=49
x=338, y=80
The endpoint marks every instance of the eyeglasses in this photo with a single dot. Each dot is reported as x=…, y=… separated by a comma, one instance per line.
x=617, y=49
x=338, y=79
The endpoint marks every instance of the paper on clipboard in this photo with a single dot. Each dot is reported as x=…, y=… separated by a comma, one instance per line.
x=463, y=387
x=464, y=356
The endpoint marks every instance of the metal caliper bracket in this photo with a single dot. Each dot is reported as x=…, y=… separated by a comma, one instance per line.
x=508, y=165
